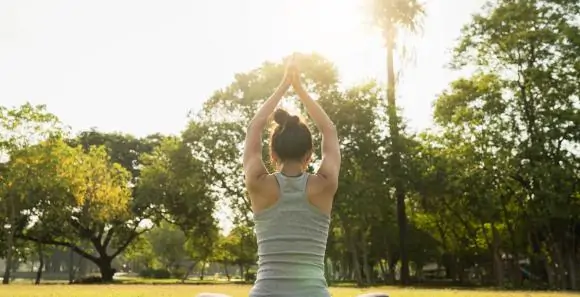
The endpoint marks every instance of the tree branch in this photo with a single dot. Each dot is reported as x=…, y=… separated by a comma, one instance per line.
x=60, y=243
x=108, y=237
x=126, y=244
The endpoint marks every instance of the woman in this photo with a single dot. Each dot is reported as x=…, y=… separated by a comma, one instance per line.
x=291, y=207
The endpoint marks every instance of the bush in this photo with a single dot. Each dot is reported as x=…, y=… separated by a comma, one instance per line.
x=178, y=273
x=155, y=273
x=88, y=280
x=250, y=277
x=146, y=273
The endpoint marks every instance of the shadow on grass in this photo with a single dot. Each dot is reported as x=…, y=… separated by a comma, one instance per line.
x=443, y=285
x=179, y=282
x=433, y=285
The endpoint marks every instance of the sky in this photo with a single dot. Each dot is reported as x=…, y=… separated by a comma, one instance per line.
x=139, y=66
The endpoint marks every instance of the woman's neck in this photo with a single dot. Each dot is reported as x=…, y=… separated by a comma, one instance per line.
x=291, y=169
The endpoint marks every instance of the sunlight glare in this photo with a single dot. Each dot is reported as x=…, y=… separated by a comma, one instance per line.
x=324, y=26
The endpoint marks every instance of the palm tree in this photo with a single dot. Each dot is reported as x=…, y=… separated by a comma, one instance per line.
x=393, y=16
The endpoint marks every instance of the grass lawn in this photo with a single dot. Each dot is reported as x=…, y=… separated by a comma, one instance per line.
x=22, y=290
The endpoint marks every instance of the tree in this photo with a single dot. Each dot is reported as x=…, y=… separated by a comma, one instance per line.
x=168, y=245
x=200, y=246
x=358, y=114
x=393, y=16
x=113, y=236
x=20, y=127
x=140, y=255
x=529, y=46
x=79, y=197
x=494, y=181
x=225, y=252
x=124, y=149
x=245, y=253
x=176, y=182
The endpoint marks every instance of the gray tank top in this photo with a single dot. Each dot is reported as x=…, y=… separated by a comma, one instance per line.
x=292, y=238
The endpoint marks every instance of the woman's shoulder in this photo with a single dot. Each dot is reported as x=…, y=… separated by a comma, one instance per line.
x=269, y=184
x=318, y=184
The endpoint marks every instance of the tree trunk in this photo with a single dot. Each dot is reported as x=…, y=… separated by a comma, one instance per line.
x=226, y=271
x=356, y=267
x=516, y=273
x=365, y=264
x=561, y=268
x=460, y=270
x=40, y=264
x=345, y=267
x=571, y=268
x=71, y=266
x=10, y=246
x=8, y=260
x=327, y=270
x=82, y=264
x=241, y=266
x=383, y=271
x=392, y=271
x=106, y=268
x=188, y=272
x=49, y=261
x=202, y=271
x=447, y=262
x=419, y=271
x=498, y=266
x=454, y=268
x=550, y=272
x=396, y=144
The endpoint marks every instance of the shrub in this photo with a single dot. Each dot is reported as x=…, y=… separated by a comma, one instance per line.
x=88, y=280
x=250, y=277
x=155, y=273
x=178, y=273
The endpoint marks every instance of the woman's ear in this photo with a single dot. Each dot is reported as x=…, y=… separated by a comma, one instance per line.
x=274, y=158
x=307, y=159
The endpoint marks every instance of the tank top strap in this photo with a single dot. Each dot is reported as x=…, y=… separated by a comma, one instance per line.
x=304, y=181
x=292, y=183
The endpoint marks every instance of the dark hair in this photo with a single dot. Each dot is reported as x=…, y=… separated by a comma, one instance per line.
x=291, y=139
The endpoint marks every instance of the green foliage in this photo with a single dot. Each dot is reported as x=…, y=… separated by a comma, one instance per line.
x=390, y=15
x=141, y=254
x=494, y=183
x=497, y=178
x=155, y=273
x=393, y=17
x=168, y=245
x=20, y=128
x=175, y=182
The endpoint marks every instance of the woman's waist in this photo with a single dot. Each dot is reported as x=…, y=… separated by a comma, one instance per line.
x=290, y=287
x=288, y=271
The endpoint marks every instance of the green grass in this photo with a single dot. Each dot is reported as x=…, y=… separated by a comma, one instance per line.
x=170, y=290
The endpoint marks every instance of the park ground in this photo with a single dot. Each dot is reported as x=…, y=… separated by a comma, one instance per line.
x=175, y=290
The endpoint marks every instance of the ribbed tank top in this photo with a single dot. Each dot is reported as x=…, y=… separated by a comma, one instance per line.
x=291, y=238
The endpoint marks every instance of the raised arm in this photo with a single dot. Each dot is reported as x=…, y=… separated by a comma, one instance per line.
x=254, y=168
x=330, y=166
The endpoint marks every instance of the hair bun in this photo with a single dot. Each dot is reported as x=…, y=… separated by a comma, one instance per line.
x=293, y=120
x=283, y=118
